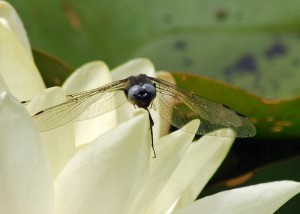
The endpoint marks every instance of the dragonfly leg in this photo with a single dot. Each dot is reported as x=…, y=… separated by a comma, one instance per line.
x=151, y=132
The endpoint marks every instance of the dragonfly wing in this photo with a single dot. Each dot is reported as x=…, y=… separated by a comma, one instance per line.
x=179, y=107
x=166, y=105
x=82, y=106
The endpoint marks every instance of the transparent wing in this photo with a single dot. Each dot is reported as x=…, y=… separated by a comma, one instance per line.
x=82, y=106
x=178, y=107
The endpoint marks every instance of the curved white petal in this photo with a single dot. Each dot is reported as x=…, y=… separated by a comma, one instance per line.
x=10, y=19
x=3, y=85
x=164, y=125
x=263, y=198
x=212, y=151
x=170, y=150
x=132, y=68
x=59, y=142
x=17, y=67
x=198, y=165
x=106, y=175
x=167, y=76
x=25, y=179
x=90, y=76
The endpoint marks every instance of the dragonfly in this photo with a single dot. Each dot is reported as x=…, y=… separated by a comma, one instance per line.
x=177, y=106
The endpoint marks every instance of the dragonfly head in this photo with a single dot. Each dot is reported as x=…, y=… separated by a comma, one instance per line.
x=140, y=91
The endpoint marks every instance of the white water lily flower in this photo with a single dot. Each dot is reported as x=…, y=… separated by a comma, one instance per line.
x=104, y=167
x=115, y=173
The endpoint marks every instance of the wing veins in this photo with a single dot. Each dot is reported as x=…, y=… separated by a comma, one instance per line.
x=77, y=104
x=213, y=116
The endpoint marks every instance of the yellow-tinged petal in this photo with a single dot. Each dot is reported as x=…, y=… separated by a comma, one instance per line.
x=59, y=142
x=132, y=68
x=3, y=85
x=25, y=179
x=90, y=76
x=167, y=76
x=170, y=150
x=165, y=126
x=198, y=165
x=87, y=77
x=263, y=198
x=107, y=174
x=17, y=67
x=213, y=152
x=10, y=18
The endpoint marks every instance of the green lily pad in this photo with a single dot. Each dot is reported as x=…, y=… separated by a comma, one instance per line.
x=274, y=119
x=52, y=69
x=283, y=170
x=253, y=45
x=259, y=62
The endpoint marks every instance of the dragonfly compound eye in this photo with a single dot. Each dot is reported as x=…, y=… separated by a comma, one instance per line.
x=150, y=89
x=133, y=92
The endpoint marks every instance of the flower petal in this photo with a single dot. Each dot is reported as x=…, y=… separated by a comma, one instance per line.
x=132, y=68
x=17, y=67
x=90, y=76
x=213, y=151
x=165, y=126
x=3, y=85
x=170, y=150
x=261, y=198
x=198, y=165
x=87, y=77
x=106, y=175
x=59, y=142
x=25, y=179
x=10, y=19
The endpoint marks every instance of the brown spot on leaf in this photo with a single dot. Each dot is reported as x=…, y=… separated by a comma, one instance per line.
x=276, y=129
x=71, y=16
x=284, y=123
x=267, y=101
x=239, y=180
x=221, y=14
x=184, y=77
x=254, y=120
x=56, y=80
